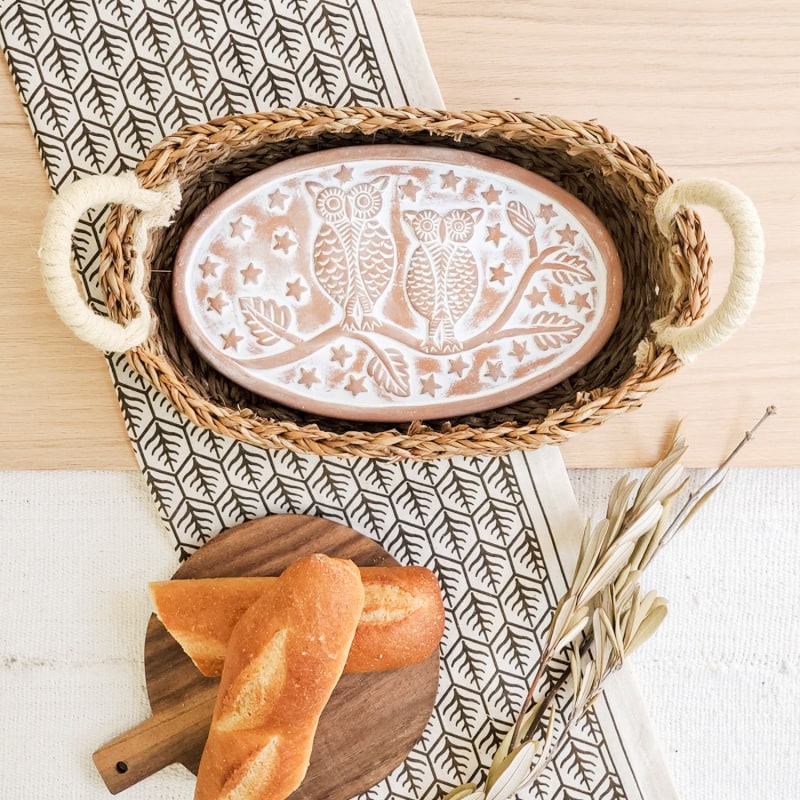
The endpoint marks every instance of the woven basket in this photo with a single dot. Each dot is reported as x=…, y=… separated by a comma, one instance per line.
x=665, y=279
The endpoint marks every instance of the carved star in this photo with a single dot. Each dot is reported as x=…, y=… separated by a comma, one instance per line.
x=308, y=377
x=581, y=301
x=492, y=195
x=295, y=289
x=356, y=385
x=429, y=385
x=457, y=366
x=217, y=303
x=547, y=212
x=239, y=228
x=450, y=180
x=344, y=174
x=494, y=234
x=410, y=189
x=340, y=354
x=519, y=350
x=250, y=273
x=278, y=199
x=535, y=297
x=208, y=268
x=494, y=370
x=499, y=274
x=231, y=340
x=567, y=235
x=283, y=241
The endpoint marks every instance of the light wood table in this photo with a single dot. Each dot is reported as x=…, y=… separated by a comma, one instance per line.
x=709, y=89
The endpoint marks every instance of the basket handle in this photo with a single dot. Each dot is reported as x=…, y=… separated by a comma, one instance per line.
x=748, y=261
x=55, y=254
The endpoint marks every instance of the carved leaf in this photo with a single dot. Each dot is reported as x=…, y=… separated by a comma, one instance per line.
x=551, y=329
x=568, y=269
x=267, y=321
x=521, y=218
x=389, y=370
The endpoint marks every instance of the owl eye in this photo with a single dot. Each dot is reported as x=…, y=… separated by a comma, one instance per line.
x=426, y=225
x=363, y=201
x=458, y=225
x=333, y=203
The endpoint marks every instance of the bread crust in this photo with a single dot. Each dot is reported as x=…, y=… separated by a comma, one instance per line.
x=284, y=658
x=402, y=620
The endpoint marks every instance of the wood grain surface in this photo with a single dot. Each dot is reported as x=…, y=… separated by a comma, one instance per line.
x=370, y=723
x=709, y=89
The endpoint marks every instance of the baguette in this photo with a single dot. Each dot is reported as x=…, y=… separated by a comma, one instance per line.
x=284, y=657
x=401, y=624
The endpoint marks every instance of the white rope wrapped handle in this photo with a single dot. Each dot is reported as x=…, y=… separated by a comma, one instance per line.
x=55, y=254
x=748, y=262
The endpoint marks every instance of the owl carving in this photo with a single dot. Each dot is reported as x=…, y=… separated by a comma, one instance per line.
x=354, y=253
x=442, y=277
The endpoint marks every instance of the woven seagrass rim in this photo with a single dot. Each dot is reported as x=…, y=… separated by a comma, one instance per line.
x=619, y=182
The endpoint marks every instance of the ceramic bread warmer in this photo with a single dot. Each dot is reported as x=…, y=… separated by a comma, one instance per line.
x=402, y=283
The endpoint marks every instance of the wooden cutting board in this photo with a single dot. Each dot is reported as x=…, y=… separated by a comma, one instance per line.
x=370, y=723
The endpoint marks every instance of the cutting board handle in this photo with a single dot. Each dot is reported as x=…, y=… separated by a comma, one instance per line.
x=163, y=739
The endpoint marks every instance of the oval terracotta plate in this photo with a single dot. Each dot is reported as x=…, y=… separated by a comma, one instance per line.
x=392, y=283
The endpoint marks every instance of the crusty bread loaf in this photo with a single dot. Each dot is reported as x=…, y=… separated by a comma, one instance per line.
x=284, y=657
x=401, y=623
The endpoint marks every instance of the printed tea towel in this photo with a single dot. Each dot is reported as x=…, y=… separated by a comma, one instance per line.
x=102, y=81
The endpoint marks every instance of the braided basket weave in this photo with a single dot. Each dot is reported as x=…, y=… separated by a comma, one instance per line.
x=662, y=280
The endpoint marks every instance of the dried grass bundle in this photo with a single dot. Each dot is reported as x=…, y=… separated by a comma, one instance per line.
x=602, y=618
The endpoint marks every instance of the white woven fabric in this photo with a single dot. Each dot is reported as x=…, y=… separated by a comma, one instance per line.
x=721, y=678
x=72, y=632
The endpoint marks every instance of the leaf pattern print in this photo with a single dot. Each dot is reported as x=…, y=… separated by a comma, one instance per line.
x=136, y=130
x=194, y=70
x=248, y=13
x=201, y=19
x=154, y=33
x=163, y=442
x=321, y=76
x=363, y=63
x=52, y=106
x=275, y=87
x=581, y=763
x=201, y=477
x=454, y=756
x=73, y=16
x=470, y=661
x=285, y=38
x=239, y=56
x=460, y=710
x=109, y=47
x=62, y=61
x=98, y=96
x=238, y=505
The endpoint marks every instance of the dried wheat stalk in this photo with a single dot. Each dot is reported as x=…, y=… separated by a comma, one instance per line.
x=602, y=617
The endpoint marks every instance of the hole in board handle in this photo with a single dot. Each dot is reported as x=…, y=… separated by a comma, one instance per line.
x=121, y=767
